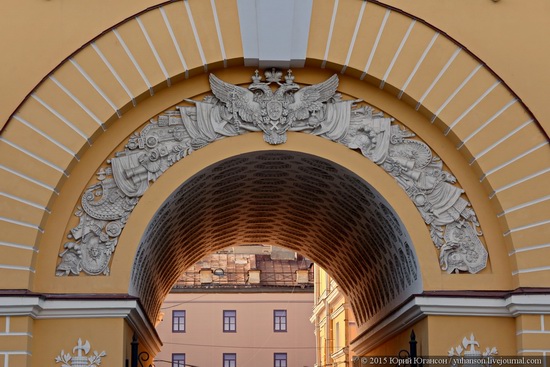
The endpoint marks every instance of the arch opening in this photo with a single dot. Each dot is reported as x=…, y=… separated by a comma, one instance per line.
x=289, y=199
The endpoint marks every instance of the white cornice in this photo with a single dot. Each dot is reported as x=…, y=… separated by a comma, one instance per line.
x=461, y=306
x=339, y=353
x=528, y=304
x=40, y=308
x=334, y=294
x=510, y=306
x=338, y=311
x=319, y=307
x=388, y=327
x=422, y=306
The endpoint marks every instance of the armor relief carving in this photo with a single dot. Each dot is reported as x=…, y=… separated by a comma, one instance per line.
x=467, y=353
x=274, y=105
x=81, y=356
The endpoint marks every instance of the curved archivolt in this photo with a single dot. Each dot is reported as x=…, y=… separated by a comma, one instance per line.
x=119, y=71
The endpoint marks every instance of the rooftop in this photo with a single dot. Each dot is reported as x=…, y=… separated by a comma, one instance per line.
x=255, y=271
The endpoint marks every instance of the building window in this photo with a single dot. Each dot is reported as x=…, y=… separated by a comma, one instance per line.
x=178, y=360
x=229, y=321
x=279, y=360
x=337, y=337
x=279, y=320
x=229, y=360
x=178, y=321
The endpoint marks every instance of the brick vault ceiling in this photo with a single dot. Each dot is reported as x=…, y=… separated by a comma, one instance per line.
x=287, y=199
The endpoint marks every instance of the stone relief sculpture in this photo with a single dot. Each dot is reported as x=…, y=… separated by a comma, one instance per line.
x=234, y=110
x=81, y=359
x=468, y=355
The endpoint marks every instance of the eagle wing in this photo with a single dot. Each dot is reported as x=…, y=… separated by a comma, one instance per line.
x=311, y=98
x=238, y=99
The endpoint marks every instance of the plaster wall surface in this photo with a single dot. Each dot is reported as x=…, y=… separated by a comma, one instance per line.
x=254, y=342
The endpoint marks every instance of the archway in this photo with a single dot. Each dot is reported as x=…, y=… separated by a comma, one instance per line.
x=69, y=125
x=287, y=199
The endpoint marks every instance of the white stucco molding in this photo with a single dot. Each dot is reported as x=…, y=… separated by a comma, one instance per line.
x=418, y=307
x=274, y=33
x=39, y=307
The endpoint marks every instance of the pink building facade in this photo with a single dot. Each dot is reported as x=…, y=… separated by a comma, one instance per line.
x=255, y=314
x=237, y=330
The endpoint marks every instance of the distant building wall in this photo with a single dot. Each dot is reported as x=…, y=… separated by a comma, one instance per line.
x=254, y=341
x=334, y=322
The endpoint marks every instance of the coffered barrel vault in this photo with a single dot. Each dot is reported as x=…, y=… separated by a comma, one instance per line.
x=85, y=109
x=285, y=199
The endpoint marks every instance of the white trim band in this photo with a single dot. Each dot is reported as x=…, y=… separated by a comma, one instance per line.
x=330, y=32
x=16, y=267
x=392, y=63
x=524, y=205
x=45, y=136
x=28, y=178
x=77, y=101
x=195, y=34
x=531, y=270
x=417, y=66
x=174, y=41
x=61, y=118
x=376, y=42
x=457, y=90
x=25, y=201
x=529, y=248
x=218, y=32
x=492, y=146
x=354, y=37
x=134, y=61
x=422, y=306
x=115, y=74
x=95, y=86
x=459, y=118
x=438, y=77
x=154, y=51
x=39, y=308
x=36, y=157
x=486, y=123
x=18, y=246
x=501, y=166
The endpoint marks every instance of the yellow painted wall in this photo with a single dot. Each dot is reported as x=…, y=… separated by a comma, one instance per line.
x=401, y=341
x=63, y=26
x=447, y=331
x=54, y=335
x=533, y=332
x=321, y=282
x=16, y=334
x=51, y=94
x=504, y=35
x=339, y=332
x=436, y=335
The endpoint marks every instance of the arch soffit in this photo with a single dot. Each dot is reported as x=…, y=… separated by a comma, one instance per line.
x=443, y=101
x=169, y=185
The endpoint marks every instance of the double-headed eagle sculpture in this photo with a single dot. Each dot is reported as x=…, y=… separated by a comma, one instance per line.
x=273, y=111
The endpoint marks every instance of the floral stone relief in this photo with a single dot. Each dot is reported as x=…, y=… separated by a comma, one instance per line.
x=233, y=110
